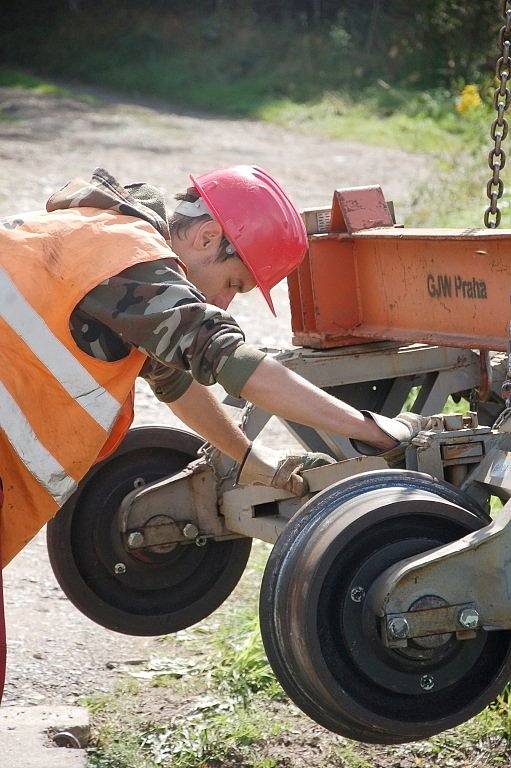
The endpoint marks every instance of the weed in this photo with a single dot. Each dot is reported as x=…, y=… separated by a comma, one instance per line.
x=241, y=668
x=496, y=719
x=349, y=757
x=213, y=734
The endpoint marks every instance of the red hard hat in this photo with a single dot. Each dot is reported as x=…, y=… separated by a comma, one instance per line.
x=258, y=218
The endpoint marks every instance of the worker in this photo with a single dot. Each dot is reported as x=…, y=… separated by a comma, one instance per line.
x=105, y=286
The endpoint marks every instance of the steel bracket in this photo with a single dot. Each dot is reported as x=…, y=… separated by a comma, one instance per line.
x=263, y=513
x=475, y=570
x=164, y=508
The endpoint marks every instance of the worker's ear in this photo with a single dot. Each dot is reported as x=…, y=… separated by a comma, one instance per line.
x=208, y=236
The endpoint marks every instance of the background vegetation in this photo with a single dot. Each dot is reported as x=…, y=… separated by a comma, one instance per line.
x=386, y=72
x=294, y=48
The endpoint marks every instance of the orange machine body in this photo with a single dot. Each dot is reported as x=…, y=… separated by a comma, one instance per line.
x=446, y=287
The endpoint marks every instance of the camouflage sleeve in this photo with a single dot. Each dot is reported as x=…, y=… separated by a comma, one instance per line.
x=154, y=307
x=168, y=384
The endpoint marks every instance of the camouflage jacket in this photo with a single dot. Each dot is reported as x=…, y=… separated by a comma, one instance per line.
x=154, y=307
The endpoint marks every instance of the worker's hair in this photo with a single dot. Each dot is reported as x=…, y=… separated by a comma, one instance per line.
x=180, y=224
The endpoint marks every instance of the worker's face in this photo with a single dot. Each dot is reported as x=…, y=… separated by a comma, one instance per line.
x=219, y=281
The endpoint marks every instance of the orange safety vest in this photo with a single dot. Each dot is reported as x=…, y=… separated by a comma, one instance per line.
x=59, y=407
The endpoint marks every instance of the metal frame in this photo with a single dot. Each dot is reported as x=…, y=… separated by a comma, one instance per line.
x=380, y=377
x=204, y=501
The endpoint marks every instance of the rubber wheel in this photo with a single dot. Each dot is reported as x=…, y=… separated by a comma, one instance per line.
x=157, y=593
x=325, y=648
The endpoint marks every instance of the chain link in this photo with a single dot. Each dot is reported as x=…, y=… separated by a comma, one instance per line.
x=500, y=126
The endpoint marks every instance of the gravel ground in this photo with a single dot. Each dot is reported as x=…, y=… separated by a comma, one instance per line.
x=54, y=653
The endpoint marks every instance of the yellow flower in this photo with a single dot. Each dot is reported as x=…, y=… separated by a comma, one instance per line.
x=468, y=100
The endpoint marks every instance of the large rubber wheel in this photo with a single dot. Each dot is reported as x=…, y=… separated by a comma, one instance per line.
x=322, y=638
x=157, y=593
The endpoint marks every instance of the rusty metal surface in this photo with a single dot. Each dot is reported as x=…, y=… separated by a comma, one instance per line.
x=485, y=386
x=440, y=620
x=360, y=208
x=446, y=287
x=327, y=368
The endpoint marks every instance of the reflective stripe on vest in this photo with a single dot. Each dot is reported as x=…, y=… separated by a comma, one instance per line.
x=62, y=405
x=39, y=462
x=75, y=379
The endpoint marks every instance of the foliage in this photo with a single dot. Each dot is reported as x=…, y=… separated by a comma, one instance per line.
x=210, y=735
x=237, y=57
x=469, y=100
x=241, y=667
x=13, y=78
x=396, y=73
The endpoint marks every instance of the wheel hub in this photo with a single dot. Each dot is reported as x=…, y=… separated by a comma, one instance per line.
x=433, y=641
x=442, y=657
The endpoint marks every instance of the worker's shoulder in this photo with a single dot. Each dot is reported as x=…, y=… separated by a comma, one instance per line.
x=108, y=224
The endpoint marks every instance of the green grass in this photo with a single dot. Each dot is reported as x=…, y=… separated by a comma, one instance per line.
x=211, y=735
x=425, y=122
x=241, y=668
x=15, y=78
x=221, y=708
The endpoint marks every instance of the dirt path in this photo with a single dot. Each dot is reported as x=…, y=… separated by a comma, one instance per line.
x=55, y=654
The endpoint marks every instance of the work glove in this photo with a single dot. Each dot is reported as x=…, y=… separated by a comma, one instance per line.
x=402, y=428
x=279, y=469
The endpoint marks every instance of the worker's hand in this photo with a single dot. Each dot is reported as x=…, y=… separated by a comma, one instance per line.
x=402, y=429
x=279, y=469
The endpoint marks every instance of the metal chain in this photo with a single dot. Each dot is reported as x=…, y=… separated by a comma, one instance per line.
x=500, y=127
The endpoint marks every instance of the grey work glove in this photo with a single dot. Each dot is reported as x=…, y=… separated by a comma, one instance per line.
x=402, y=428
x=279, y=469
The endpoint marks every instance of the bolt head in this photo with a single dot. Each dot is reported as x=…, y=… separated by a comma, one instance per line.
x=427, y=683
x=135, y=539
x=190, y=531
x=469, y=618
x=398, y=628
x=119, y=569
x=357, y=594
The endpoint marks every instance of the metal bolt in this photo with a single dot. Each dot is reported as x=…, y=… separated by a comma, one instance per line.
x=138, y=482
x=427, y=683
x=119, y=568
x=201, y=541
x=398, y=628
x=135, y=539
x=190, y=531
x=358, y=594
x=468, y=618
